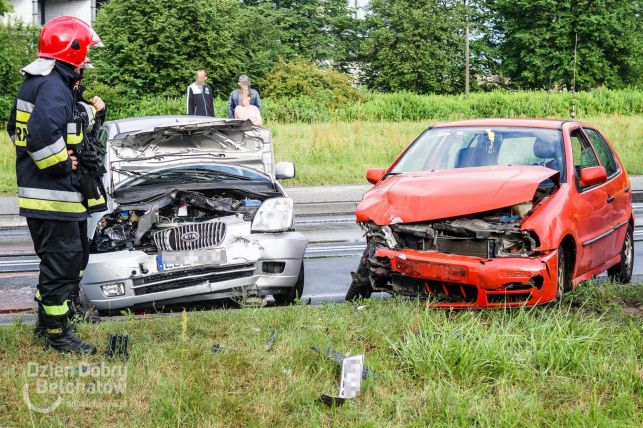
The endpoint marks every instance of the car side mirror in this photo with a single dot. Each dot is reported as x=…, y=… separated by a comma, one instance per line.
x=284, y=170
x=373, y=175
x=592, y=176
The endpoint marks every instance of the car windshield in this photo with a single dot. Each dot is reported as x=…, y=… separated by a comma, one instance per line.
x=195, y=174
x=466, y=147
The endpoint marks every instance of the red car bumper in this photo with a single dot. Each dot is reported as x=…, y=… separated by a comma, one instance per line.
x=454, y=281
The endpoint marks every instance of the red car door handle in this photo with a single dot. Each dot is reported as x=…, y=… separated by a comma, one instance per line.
x=627, y=190
x=610, y=199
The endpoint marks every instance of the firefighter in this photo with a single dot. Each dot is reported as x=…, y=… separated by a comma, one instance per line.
x=43, y=129
x=89, y=116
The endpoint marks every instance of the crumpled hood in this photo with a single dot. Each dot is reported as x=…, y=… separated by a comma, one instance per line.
x=200, y=141
x=424, y=196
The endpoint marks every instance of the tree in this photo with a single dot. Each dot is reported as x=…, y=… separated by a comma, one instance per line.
x=18, y=47
x=415, y=46
x=5, y=6
x=537, y=37
x=315, y=30
x=155, y=47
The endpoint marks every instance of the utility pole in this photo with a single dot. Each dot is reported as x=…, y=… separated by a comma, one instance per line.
x=466, y=50
x=573, y=114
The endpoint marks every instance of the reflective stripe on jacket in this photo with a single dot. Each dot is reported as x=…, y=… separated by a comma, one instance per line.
x=42, y=128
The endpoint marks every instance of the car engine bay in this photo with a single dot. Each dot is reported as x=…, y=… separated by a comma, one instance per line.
x=202, y=213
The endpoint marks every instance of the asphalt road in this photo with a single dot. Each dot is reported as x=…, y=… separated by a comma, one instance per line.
x=336, y=244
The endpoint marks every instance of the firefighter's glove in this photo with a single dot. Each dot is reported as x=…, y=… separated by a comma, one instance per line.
x=90, y=160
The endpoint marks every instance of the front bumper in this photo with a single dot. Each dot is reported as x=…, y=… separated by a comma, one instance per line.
x=241, y=275
x=453, y=281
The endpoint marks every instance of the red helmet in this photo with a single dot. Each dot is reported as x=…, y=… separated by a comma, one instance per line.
x=67, y=39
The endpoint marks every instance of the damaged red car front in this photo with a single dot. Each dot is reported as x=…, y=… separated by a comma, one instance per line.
x=472, y=214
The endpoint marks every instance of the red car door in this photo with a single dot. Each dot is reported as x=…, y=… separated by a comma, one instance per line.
x=592, y=214
x=617, y=187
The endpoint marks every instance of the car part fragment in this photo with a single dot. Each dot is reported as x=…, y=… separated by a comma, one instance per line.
x=118, y=346
x=350, y=381
x=271, y=342
x=338, y=359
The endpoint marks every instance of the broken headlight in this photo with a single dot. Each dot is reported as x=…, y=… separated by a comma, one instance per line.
x=274, y=215
x=521, y=210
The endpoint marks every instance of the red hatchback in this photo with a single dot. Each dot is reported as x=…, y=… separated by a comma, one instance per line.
x=496, y=212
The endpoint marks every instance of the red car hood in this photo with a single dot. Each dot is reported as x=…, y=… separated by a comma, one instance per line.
x=423, y=196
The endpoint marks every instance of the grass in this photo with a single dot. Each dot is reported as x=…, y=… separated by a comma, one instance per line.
x=340, y=153
x=578, y=363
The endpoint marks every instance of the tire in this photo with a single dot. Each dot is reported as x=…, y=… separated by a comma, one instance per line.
x=563, y=279
x=622, y=272
x=360, y=287
x=294, y=293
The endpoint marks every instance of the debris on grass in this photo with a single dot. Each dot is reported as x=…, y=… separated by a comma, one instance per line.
x=271, y=342
x=350, y=382
x=338, y=359
x=331, y=401
x=118, y=346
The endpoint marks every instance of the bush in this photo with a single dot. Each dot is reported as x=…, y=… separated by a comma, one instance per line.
x=18, y=47
x=401, y=106
x=155, y=46
x=5, y=109
x=296, y=80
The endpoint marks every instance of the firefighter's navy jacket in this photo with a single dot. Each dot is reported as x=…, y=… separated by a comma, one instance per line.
x=42, y=128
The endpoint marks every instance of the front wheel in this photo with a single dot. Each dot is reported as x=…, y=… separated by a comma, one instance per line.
x=360, y=287
x=622, y=272
x=293, y=293
x=563, y=279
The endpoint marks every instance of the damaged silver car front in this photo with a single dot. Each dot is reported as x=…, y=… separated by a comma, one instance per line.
x=183, y=228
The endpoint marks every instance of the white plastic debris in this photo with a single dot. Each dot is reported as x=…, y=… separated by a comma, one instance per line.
x=351, y=381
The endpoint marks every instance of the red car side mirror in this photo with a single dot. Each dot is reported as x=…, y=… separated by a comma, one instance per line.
x=373, y=175
x=592, y=176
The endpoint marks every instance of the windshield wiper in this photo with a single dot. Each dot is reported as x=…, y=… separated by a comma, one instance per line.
x=178, y=180
x=203, y=172
x=128, y=172
x=188, y=174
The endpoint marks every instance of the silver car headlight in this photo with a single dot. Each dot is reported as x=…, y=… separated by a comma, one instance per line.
x=274, y=215
x=113, y=290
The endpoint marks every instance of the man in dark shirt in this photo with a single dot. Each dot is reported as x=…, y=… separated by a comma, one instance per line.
x=200, y=101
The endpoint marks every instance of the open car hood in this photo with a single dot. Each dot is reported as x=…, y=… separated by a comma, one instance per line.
x=424, y=196
x=232, y=142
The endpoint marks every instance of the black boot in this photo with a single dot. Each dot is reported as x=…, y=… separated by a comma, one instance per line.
x=39, y=330
x=61, y=338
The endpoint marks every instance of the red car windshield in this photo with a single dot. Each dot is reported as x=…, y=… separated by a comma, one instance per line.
x=467, y=147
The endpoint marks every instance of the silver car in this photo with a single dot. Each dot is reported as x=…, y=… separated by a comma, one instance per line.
x=195, y=213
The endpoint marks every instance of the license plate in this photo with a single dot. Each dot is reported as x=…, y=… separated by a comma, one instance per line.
x=175, y=259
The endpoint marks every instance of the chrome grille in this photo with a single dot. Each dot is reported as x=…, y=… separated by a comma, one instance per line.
x=190, y=236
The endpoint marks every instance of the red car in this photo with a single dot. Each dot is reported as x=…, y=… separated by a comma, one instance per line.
x=496, y=212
